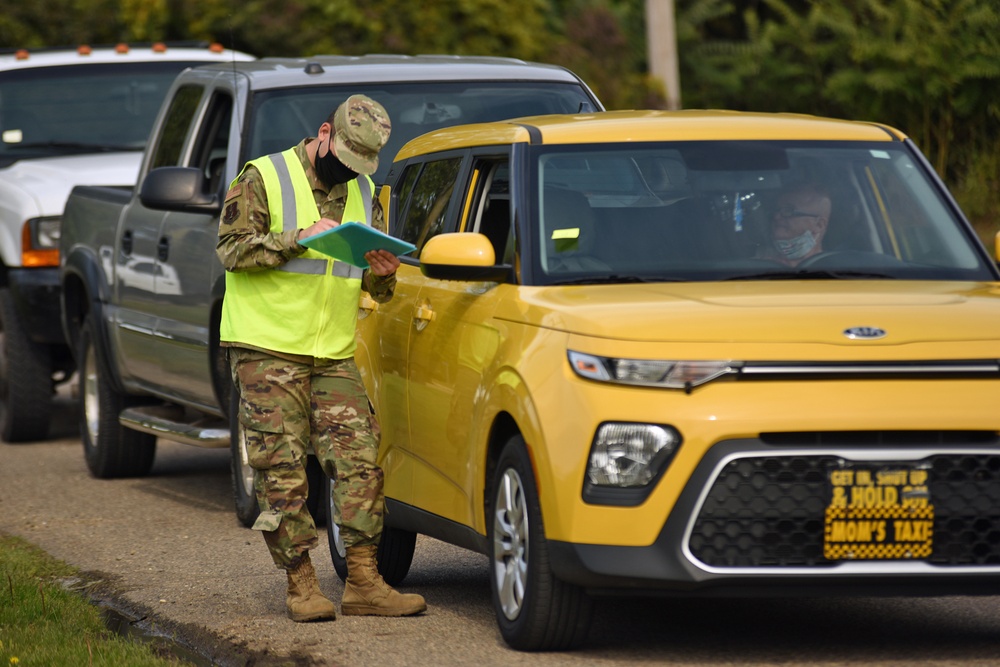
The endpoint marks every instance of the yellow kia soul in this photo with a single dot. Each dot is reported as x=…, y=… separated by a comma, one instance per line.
x=686, y=353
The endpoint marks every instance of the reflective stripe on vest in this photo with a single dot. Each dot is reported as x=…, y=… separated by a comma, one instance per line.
x=314, y=294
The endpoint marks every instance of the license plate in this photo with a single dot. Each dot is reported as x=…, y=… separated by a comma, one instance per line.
x=881, y=512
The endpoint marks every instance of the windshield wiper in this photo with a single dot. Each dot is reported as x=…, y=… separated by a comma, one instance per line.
x=805, y=274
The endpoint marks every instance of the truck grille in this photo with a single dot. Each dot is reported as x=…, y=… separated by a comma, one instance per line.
x=768, y=511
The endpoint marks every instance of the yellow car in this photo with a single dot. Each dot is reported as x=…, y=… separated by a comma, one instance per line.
x=687, y=353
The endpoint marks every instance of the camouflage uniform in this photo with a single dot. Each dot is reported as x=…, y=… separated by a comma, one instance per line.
x=290, y=404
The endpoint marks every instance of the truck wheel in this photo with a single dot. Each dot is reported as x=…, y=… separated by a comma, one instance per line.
x=395, y=548
x=26, y=386
x=111, y=450
x=535, y=611
x=244, y=495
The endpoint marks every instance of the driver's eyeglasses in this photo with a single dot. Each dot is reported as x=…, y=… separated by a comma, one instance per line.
x=789, y=213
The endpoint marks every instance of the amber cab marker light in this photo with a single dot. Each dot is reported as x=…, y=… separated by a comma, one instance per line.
x=215, y=47
x=83, y=50
x=121, y=47
x=159, y=47
x=21, y=54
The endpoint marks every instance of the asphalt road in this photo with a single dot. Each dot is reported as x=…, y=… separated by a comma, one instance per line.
x=168, y=549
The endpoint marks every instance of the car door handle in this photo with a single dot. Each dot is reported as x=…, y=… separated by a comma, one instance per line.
x=366, y=306
x=423, y=315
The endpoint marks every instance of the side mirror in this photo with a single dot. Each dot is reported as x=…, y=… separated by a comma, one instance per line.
x=178, y=189
x=462, y=256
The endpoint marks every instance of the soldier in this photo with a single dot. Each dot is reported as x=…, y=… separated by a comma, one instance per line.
x=288, y=320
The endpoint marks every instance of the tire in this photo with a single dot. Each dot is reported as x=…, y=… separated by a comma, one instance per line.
x=535, y=610
x=110, y=449
x=241, y=474
x=26, y=384
x=395, y=547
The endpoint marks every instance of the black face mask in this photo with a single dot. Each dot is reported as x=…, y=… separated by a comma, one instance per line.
x=330, y=170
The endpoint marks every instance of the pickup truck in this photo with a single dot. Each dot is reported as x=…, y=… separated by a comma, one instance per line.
x=142, y=288
x=67, y=117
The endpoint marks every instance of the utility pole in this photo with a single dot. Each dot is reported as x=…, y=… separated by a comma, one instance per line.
x=661, y=36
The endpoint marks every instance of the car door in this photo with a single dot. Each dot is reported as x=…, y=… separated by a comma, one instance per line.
x=187, y=269
x=453, y=343
x=134, y=260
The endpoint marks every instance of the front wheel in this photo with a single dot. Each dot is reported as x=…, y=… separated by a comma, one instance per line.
x=395, y=547
x=26, y=385
x=110, y=449
x=535, y=610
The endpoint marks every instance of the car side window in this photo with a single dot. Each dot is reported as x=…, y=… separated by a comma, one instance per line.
x=491, y=210
x=175, y=126
x=425, y=215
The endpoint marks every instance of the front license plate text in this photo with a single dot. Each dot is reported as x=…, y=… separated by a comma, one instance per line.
x=882, y=513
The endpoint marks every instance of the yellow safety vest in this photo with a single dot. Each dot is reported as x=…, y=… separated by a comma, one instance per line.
x=309, y=305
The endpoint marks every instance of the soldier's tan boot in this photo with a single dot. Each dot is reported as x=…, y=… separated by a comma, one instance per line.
x=367, y=594
x=305, y=601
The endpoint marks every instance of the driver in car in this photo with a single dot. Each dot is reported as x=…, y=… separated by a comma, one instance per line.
x=798, y=224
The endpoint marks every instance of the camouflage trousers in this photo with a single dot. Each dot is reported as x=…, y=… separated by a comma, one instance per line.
x=289, y=410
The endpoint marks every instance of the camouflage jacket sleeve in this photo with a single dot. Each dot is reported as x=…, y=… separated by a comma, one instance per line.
x=246, y=242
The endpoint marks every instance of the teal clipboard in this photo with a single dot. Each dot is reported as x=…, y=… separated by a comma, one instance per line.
x=350, y=241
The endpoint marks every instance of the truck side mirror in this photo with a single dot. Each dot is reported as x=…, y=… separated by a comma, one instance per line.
x=178, y=189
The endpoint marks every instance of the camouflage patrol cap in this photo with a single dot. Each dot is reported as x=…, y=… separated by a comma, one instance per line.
x=361, y=127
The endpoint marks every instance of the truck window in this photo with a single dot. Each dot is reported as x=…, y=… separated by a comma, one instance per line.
x=175, y=126
x=210, y=147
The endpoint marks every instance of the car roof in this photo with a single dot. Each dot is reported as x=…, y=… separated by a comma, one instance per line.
x=628, y=126
x=23, y=59
x=325, y=70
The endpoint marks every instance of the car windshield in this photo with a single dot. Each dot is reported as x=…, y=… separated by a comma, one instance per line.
x=284, y=117
x=53, y=111
x=697, y=211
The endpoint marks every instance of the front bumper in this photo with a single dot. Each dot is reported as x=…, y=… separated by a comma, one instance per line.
x=750, y=521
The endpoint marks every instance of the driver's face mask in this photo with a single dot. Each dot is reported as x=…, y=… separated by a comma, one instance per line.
x=798, y=247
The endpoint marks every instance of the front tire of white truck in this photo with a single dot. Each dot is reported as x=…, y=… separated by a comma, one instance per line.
x=111, y=450
x=26, y=387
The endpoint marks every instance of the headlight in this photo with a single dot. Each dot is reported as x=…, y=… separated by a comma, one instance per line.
x=669, y=374
x=40, y=241
x=630, y=455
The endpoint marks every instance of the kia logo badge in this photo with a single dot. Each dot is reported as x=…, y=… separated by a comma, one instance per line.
x=864, y=333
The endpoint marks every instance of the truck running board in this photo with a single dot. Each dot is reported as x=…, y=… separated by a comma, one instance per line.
x=167, y=422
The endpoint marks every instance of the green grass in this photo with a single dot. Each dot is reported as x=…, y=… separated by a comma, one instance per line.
x=42, y=623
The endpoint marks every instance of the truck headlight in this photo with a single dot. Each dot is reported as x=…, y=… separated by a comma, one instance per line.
x=40, y=241
x=625, y=455
x=668, y=374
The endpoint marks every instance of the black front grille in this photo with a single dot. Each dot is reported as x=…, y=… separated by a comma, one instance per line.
x=768, y=511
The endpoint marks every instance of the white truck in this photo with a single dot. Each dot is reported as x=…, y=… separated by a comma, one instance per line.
x=67, y=117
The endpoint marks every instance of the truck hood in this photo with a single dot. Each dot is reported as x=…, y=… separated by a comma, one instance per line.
x=46, y=182
x=772, y=313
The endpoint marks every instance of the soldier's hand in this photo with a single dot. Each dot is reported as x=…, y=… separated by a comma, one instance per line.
x=381, y=262
x=320, y=225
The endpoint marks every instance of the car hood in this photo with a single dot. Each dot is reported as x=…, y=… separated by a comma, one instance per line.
x=47, y=182
x=768, y=312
